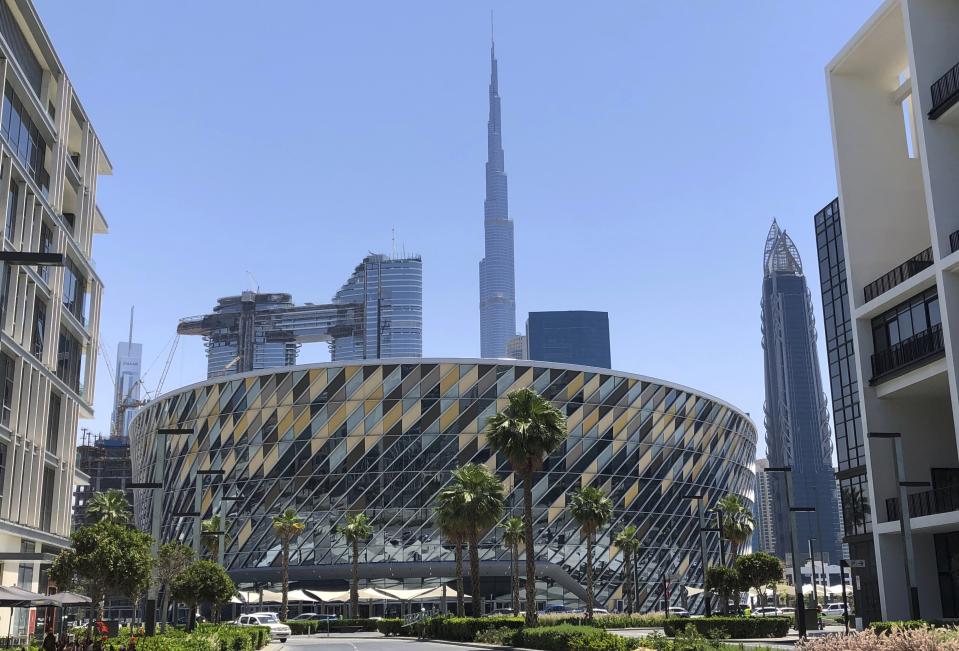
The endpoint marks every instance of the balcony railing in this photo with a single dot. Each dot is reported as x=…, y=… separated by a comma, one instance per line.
x=903, y=272
x=954, y=241
x=916, y=348
x=945, y=92
x=938, y=500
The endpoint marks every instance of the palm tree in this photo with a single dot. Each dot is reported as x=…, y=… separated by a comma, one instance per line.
x=591, y=509
x=357, y=529
x=287, y=526
x=512, y=537
x=737, y=522
x=478, y=494
x=627, y=542
x=527, y=431
x=449, y=521
x=111, y=506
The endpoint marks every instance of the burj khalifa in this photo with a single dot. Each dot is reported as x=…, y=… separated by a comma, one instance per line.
x=497, y=277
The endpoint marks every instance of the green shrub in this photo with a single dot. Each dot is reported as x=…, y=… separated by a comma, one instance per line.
x=908, y=625
x=390, y=627
x=500, y=636
x=464, y=629
x=654, y=620
x=570, y=637
x=735, y=627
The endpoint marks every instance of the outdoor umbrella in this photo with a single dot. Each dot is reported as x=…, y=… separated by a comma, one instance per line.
x=62, y=599
x=11, y=597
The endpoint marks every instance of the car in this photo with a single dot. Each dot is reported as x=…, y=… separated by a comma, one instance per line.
x=315, y=617
x=278, y=630
x=556, y=609
x=500, y=612
x=600, y=611
x=767, y=611
x=834, y=609
x=676, y=611
x=788, y=611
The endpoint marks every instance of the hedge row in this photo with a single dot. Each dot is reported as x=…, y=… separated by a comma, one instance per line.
x=605, y=621
x=391, y=627
x=570, y=637
x=733, y=627
x=464, y=629
x=300, y=627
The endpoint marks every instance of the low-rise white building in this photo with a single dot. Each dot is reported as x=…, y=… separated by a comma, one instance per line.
x=895, y=121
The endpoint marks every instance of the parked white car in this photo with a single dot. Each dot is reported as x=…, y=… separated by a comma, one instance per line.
x=834, y=609
x=765, y=612
x=278, y=630
x=676, y=611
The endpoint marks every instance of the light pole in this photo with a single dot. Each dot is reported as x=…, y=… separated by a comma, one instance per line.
x=794, y=546
x=905, y=521
x=159, y=469
x=812, y=569
x=702, y=548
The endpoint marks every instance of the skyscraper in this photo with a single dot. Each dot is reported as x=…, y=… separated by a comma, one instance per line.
x=497, y=279
x=764, y=531
x=376, y=314
x=127, y=391
x=797, y=420
x=569, y=337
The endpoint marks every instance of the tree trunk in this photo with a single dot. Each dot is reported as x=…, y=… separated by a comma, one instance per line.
x=164, y=607
x=589, y=577
x=477, y=604
x=355, y=582
x=514, y=553
x=458, y=556
x=628, y=581
x=527, y=476
x=285, y=605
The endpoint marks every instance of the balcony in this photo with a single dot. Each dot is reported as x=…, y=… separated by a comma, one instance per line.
x=945, y=93
x=908, y=352
x=937, y=500
x=953, y=241
x=900, y=274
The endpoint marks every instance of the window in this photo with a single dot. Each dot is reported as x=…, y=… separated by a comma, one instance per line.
x=5, y=273
x=3, y=468
x=74, y=290
x=39, y=328
x=24, y=138
x=12, y=196
x=914, y=317
x=6, y=389
x=69, y=353
x=53, y=423
x=46, y=246
x=48, y=489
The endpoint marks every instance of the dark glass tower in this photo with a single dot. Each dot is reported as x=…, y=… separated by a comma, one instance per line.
x=797, y=419
x=844, y=384
x=572, y=337
x=497, y=281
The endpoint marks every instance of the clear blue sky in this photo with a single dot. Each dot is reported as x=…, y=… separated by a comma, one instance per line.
x=648, y=146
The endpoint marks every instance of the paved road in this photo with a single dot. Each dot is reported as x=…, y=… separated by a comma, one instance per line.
x=373, y=642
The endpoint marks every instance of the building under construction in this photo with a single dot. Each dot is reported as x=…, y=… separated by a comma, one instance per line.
x=376, y=314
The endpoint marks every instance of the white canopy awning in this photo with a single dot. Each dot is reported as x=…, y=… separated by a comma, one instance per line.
x=692, y=592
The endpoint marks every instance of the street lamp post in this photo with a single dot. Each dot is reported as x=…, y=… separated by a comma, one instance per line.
x=905, y=520
x=812, y=569
x=702, y=547
x=794, y=547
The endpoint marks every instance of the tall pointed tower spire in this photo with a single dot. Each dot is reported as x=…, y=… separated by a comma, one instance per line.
x=497, y=276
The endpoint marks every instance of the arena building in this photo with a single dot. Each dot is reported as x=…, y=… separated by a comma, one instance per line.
x=382, y=436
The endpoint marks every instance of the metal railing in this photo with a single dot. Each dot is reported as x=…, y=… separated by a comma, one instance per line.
x=937, y=500
x=945, y=92
x=903, y=272
x=954, y=241
x=912, y=349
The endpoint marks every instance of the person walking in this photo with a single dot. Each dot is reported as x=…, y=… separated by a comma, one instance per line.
x=49, y=641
